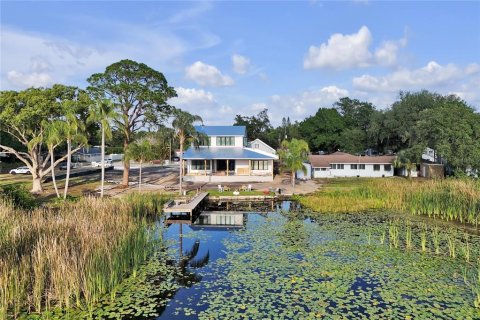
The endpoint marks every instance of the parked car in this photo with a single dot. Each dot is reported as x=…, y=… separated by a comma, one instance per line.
x=176, y=159
x=98, y=164
x=20, y=170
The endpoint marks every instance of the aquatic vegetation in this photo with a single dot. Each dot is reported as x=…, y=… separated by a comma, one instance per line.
x=449, y=199
x=335, y=273
x=69, y=256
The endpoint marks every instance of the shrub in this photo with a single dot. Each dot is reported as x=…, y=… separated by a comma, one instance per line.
x=18, y=196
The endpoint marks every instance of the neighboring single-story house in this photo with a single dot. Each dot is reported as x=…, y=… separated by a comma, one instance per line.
x=224, y=157
x=258, y=144
x=341, y=164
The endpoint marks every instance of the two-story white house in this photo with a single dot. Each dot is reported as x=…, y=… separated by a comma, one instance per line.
x=225, y=157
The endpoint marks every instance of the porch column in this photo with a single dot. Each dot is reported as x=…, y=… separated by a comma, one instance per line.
x=227, y=168
x=249, y=167
x=205, y=166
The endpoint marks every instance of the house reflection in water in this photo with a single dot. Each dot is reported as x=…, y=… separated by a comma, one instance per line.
x=220, y=220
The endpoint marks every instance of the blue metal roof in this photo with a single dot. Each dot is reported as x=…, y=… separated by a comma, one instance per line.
x=222, y=130
x=210, y=153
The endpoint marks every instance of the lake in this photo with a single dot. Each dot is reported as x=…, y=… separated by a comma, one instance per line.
x=284, y=264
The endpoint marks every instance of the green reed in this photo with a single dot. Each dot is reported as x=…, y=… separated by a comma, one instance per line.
x=449, y=199
x=71, y=256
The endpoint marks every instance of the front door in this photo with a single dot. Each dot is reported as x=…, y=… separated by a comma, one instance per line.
x=221, y=165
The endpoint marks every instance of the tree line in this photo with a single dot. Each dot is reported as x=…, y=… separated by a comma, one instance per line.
x=128, y=102
x=118, y=104
x=415, y=121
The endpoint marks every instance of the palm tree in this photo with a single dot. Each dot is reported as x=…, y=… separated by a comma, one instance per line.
x=188, y=260
x=140, y=151
x=102, y=112
x=53, y=137
x=292, y=154
x=402, y=160
x=185, y=131
x=74, y=132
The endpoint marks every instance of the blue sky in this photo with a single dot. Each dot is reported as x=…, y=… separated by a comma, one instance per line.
x=228, y=58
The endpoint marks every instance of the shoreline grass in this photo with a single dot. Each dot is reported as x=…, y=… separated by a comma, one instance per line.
x=70, y=256
x=449, y=199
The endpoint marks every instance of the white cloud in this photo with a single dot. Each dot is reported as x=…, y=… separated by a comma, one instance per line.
x=341, y=51
x=30, y=58
x=241, y=64
x=33, y=79
x=192, y=97
x=204, y=104
x=304, y=104
x=431, y=76
x=382, y=91
x=386, y=54
x=188, y=14
x=352, y=51
x=207, y=75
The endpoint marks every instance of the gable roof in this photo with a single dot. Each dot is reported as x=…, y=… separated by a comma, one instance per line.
x=260, y=141
x=222, y=130
x=324, y=161
x=211, y=153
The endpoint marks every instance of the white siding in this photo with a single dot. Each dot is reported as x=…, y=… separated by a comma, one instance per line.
x=258, y=144
x=347, y=171
x=242, y=165
x=239, y=141
x=321, y=173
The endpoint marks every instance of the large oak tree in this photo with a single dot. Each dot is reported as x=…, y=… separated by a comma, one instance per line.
x=139, y=94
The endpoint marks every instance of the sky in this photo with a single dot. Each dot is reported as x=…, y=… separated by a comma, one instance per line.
x=239, y=57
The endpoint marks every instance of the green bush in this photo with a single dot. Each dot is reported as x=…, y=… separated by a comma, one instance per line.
x=18, y=196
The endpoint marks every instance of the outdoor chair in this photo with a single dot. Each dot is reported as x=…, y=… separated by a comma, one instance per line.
x=220, y=189
x=249, y=187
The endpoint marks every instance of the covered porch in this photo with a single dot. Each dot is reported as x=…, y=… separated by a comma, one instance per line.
x=223, y=164
x=228, y=167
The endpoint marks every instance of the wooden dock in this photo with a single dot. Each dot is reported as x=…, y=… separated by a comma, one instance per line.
x=188, y=207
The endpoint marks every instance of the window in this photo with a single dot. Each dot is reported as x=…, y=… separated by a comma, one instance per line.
x=324, y=169
x=376, y=167
x=225, y=141
x=388, y=167
x=353, y=167
x=333, y=166
x=340, y=166
x=361, y=167
x=337, y=166
x=259, y=165
x=256, y=146
x=200, y=165
x=316, y=169
x=225, y=220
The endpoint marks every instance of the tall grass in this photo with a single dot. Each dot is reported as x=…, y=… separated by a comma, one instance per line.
x=450, y=199
x=69, y=257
